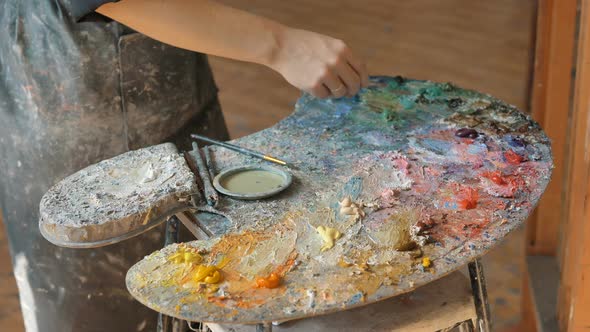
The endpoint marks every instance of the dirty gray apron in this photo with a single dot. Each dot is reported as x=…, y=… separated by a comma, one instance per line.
x=72, y=94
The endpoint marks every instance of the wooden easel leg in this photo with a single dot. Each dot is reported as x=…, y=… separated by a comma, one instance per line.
x=480, y=295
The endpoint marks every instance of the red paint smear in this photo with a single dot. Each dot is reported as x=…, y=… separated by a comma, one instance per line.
x=474, y=229
x=501, y=205
x=402, y=164
x=465, y=227
x=507, y=184
x=513, y=157
x=388, y=198
x=468, y=140
x=468, y=198
x=476, y=160
x=516, y=182
x=496, y=177
x=433, y=171
x=467, y=230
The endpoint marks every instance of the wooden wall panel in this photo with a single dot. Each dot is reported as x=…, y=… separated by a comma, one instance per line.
x=574, y=292
x=550, y=103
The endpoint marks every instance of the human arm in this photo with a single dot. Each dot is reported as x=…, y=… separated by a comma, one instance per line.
x=312, y=62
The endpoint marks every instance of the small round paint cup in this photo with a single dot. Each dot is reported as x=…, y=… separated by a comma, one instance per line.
x=250, y=182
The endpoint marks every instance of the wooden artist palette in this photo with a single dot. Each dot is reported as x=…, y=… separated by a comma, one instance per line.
x=396, y=187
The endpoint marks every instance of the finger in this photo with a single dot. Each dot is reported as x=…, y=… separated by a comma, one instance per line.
x=320, y=91
x=336, y=87
x=361, y=69
x=350, y=77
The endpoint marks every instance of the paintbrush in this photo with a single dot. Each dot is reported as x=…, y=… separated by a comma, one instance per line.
x=240, y=149
x=203, y=170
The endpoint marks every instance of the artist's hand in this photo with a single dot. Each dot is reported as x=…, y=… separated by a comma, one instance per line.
x=318, y=64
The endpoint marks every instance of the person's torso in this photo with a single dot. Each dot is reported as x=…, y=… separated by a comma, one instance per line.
x=72, y=81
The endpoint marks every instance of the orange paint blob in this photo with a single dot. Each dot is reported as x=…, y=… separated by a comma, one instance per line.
x=513, y=157
x=272, y=281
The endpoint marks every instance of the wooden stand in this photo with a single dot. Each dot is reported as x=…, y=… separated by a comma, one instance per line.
x=436, y=306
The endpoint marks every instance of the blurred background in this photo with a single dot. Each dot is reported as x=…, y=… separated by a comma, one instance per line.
x=482, y=45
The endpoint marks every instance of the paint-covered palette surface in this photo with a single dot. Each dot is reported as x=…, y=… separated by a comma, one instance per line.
x=392, y=189
x=117, y=198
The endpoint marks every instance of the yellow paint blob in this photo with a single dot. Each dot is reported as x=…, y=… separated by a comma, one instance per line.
x=329, y=235
x=213, y=278
x=209, y=274
x=186, y=255
x=426, y=262
x=252, y=182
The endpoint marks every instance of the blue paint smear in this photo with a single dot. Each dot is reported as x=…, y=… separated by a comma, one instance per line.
x=477, y=148
x=352, y=188
x=407, y=102
x=356, y=298
x=435, y=145
x=450, y=205
x=537, y=152
x=342, y=108
x=378, y=138
x=514, y=142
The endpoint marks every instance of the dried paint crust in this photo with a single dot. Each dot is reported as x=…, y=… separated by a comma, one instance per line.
x=117, y=197
x=442, y=175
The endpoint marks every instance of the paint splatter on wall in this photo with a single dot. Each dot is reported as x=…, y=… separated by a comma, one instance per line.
x=393, y=188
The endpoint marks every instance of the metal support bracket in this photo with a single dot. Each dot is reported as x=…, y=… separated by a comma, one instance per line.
x=264, y=327
x=167, y=323
x=480, y=295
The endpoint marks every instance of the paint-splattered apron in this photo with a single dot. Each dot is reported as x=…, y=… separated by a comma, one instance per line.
x=72, y=94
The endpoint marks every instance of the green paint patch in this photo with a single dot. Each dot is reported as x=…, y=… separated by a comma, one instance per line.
x=432, y=92
x=400, y=110
x=407, y=102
